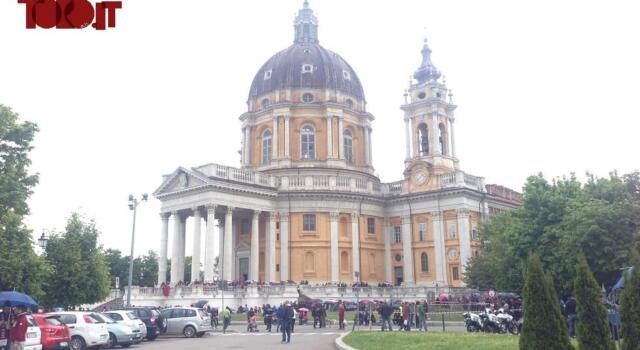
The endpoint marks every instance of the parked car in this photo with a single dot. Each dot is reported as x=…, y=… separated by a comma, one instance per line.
x=127, y=318
x=32, y=338
x=55, y=334
x=152, y=318
x=119, y=334
x=85, y=331
x=188, y=321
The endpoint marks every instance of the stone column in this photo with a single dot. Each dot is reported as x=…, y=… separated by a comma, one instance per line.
x=438, y=242
x=435, y=131
x=221, y=225
x=270, y=256
x=287, y=151
x=247, y=148
x=209, y=244
x=195, y=257
x=175, y=249
x=329, y=137
x=284, y=247
x=407, y=136
x=355, y=245
x=407, y=251
x=181, y=252
x=335, y=261
x=370, y=148
x=275, y=138
x=254, y=259
x=453, y=140
x=164, y=243
x=465, y=237
x=228, y=244
x=366, y=145
x=341, y=136
x=388, y=274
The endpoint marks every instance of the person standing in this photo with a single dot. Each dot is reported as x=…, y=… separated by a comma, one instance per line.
x=293, y=318
x=341, y=311
x=385, y=312
x=18, y=330
x=226, y=318
x=422, y=324
x=268, y=317
x=5, y=325
x=288, y=318
x=406, y=316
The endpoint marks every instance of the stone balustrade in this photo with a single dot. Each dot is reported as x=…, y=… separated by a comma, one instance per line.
x=333, y=182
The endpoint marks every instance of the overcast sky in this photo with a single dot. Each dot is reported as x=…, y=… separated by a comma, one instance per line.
x=542, y=86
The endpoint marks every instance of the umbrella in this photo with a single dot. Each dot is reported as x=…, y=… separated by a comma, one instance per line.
x=201, y=303
x=16, y=299
x=303, y=309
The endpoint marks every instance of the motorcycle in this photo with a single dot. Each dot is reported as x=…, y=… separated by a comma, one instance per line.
x=472, y=322
x=507, y=322
x=490, y=321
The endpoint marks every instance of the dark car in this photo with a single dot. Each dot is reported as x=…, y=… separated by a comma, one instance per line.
x=152, y=318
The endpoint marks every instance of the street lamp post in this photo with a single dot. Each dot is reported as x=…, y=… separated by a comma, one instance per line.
x=42, y=241
x=133, y=205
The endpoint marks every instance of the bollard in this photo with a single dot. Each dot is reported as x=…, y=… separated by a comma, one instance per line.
x=443, y=322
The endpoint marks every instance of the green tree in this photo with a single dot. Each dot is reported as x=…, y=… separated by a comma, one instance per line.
x=593, y=329
x=542, y=328
x=81, y=275
x=560, y=219
x=20, y=268
x=630, y=309
x=145, y=270
x=118, y=267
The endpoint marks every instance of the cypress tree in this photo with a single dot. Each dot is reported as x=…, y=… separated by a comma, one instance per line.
x=592, y=329
x=542, y=328
x=630, y=309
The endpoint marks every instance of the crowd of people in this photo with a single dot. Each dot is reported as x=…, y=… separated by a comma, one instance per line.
x=13, y=327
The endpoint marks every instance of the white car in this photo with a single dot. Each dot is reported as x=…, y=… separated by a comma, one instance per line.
x=85, y=330
x=32, y=339
x=127, y=318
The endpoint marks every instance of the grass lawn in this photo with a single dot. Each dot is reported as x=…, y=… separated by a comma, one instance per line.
x=431, y=341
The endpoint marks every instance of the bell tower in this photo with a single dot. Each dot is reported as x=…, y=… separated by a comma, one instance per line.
x=428, y=116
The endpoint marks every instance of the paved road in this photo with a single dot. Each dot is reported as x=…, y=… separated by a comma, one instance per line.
x=305, y=337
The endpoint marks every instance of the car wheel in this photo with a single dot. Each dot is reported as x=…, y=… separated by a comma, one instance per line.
x=77, y=343
x=189, y=331
x=111, y=343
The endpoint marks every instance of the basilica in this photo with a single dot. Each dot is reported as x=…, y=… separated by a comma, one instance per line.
x=306, y=205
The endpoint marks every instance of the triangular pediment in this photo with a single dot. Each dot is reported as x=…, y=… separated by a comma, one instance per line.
x=181, y=179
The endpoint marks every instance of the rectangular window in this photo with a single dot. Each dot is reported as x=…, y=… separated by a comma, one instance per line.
x=245, y=227
x=278, y=225
x=455, y=275
x=309, y=222
x=371, y=226
x=397, y=234
x=277, y=237
x=452, y=230
x=277, y=267
x=422, y=231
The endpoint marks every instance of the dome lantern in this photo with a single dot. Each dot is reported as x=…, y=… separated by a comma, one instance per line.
x=427, y=71
x=306, y=26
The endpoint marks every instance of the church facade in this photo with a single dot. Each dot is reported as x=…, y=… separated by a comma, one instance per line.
x=306, y=203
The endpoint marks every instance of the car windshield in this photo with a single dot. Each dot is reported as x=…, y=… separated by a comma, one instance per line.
x=53, y=321
x=102, y=318
x=131, y=316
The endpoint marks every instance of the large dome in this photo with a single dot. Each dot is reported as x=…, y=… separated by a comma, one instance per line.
x=286, y=70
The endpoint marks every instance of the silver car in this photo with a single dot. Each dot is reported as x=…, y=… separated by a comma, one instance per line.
x=189, y=321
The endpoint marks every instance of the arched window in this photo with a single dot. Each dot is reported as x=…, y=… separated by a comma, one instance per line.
x=424, y=262
x=349, y=103
x=348, y=145
x=309, y=262
x=423, y=139
x=266, y=147
x=308, y=142
x=442, y=138
x=265, y=103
